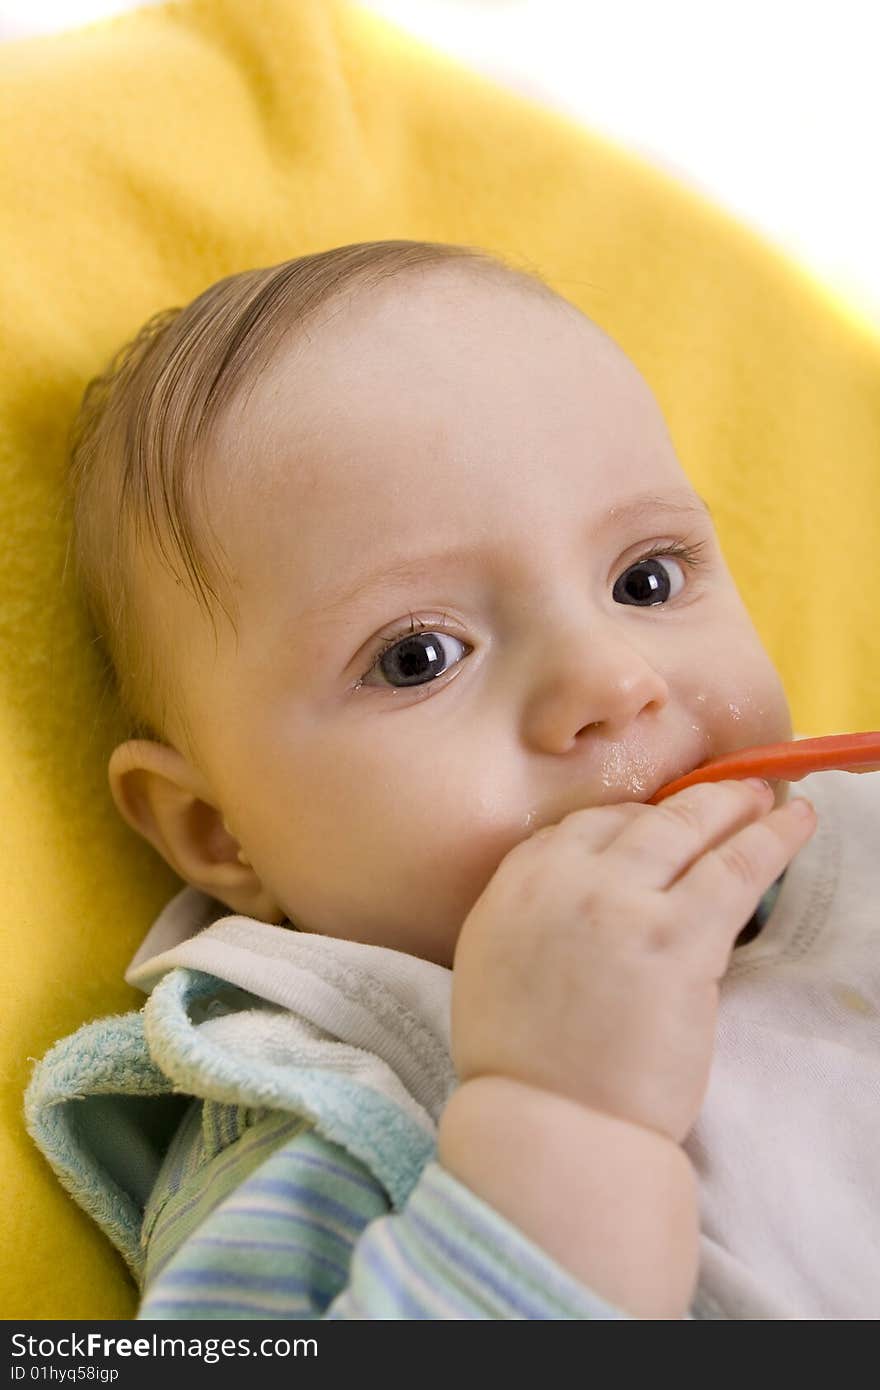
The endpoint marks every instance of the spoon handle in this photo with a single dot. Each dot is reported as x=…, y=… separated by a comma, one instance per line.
x=786, y=761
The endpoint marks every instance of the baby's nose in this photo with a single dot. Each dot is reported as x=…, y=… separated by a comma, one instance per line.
x=600, y=686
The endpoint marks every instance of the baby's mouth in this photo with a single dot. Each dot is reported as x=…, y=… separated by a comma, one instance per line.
x=614, y=796
x=662, y=779
x=672, y=775
x=680, y=770
x=733, y=772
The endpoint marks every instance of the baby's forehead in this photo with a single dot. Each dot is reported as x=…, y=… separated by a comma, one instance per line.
x=424, y=380
x=417, y=349
x=429, y=314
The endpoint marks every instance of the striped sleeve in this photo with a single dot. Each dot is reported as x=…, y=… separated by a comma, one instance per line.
x=306, y=1232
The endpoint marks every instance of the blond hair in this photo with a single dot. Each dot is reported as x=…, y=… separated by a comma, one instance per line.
x=143, y=428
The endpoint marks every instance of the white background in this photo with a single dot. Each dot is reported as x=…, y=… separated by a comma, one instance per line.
x=771, y=107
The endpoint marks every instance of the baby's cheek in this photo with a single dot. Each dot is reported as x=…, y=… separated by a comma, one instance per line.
x=742, y=703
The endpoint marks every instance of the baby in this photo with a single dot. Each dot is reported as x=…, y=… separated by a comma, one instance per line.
x=413, y=608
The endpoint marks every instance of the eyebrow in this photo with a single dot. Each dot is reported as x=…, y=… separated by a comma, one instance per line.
x=633, y=510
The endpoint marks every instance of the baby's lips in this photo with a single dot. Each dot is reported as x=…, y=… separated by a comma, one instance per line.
x=788, y=762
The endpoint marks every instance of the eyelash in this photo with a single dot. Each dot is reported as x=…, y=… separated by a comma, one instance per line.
x=691, y=555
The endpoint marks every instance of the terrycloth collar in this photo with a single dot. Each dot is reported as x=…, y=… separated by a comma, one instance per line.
x=355, y=1038
x=391, y=1005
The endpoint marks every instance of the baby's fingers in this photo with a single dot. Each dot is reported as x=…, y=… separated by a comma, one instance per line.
x=724, y=885
x=664, y=841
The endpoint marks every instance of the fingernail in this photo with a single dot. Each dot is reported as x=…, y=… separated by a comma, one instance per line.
x=802, y=807
x=759, y=783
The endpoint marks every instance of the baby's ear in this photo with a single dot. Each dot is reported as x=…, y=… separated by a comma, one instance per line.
x=152, y=784
x=167, y=801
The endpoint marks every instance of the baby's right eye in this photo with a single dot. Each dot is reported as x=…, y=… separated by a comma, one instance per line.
x=416, y=658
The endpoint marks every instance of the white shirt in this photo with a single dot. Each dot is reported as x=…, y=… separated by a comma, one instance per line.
x=787, y=1145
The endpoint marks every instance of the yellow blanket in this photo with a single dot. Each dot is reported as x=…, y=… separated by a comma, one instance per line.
x=146, y=157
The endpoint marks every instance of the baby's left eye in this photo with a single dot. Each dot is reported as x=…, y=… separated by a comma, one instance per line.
x=647, y=582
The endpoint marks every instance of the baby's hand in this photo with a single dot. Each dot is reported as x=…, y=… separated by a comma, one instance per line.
x=589, y=966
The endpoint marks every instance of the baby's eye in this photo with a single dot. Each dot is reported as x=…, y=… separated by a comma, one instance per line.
x=415, y=659
x=647, y=582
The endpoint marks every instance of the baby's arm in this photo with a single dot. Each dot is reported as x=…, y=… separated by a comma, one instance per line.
x=308, y=1233
x=615, y=1203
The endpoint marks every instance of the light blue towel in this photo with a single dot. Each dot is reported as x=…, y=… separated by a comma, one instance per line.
x=103, y=1104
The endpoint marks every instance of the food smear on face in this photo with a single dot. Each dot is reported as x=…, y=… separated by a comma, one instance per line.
x=629, y=771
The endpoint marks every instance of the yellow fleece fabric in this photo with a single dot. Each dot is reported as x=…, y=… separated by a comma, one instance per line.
x=144, y=158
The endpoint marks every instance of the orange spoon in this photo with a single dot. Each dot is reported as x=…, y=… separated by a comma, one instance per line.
x=787, y=761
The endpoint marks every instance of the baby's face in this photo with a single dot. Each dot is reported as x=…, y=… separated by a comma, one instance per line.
x=449, y=635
